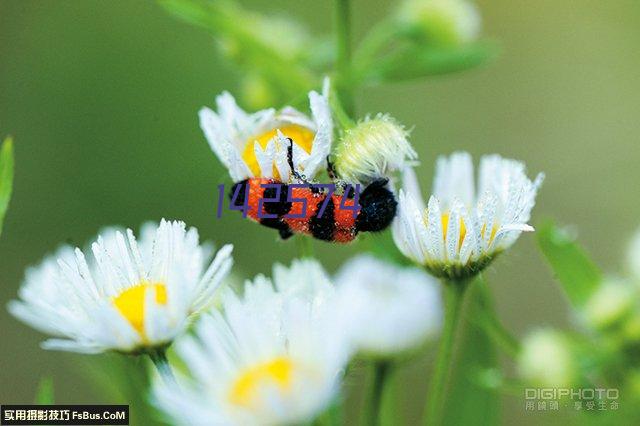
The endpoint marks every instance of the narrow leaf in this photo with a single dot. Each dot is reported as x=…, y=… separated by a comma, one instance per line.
x=45, y=395
x=6, y=177
x=575, y=271
x=422, y=61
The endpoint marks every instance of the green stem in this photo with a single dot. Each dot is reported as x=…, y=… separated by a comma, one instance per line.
x=332, y=416
x=159, y=359
x=342, y=22
x=491, y=324
x=305, y=246
x=374, y=404
x=454, y=292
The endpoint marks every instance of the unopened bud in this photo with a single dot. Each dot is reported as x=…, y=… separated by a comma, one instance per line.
x=547, y=360
x=611, y=302
x=256, y=92
x=444, y=22
x=374, y=148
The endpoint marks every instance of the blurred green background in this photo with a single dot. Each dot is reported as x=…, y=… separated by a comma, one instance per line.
x=102, y=99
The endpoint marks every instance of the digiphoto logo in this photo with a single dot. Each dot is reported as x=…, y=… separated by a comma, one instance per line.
x=590, y=399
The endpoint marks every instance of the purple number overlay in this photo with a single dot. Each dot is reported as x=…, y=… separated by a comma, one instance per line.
x=291, y=199
x=275, y=199
x=327, y=190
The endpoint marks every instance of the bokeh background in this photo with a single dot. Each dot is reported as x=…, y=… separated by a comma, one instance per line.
x=102, y=96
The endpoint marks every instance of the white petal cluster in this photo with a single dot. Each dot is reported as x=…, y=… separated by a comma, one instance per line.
x=131, y=296
x=464, y=227
x=256, y=144
x=274, y=356
x=388, y=309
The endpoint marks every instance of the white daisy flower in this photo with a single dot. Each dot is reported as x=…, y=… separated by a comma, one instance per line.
x=256, y=145
x=463, y=228
x=130, y=297
x=374, y=148
x=274, y=356
x=388, y=309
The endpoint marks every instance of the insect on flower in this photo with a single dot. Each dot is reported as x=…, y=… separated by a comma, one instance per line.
x=315, y=209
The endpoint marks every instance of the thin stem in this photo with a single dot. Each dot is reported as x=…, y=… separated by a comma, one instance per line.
x=305, y=246
x=332, y=416
x=491, y=324
x=454, y=295
x=159, y=359
x=342, y=22
x=374, y=404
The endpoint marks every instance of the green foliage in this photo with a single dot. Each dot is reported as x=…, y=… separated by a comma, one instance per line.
x=6, y=177
x=124, y=379
x=577, y=274
x=256, y=43
x=290, y=60
x=469, y=401
x=420, y=61
x=45, y=394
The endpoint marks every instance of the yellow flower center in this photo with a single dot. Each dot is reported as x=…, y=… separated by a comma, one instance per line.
x=493, y=231
x=445, y=224
x=463, y=230
x=276, y=372
x=301, y=136
x=130, y=303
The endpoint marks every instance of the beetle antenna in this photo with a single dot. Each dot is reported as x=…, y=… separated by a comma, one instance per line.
x=294, y=172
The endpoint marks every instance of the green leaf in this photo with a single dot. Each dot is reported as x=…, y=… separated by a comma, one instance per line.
x=44, y=395
x=123, y=379
x=575, y=271
x=417, y=61
x=469, y=400
x=6, y=177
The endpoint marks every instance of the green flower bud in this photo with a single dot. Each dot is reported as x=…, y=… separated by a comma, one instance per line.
x=610, y=304
x=374, y=148
x=547, y=359
x=256, y=92
x=442, y=22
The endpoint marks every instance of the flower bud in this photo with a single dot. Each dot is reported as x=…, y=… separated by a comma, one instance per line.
x=547, y=360
x=374, y=148
x=256, y=92
x=611, y=303
x=442, y=22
